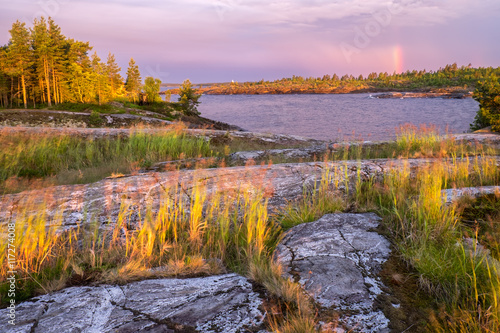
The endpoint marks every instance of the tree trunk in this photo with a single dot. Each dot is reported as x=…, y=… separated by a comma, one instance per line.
x=47, y=80
x=42, y=89
x=24, y=90
x=18, y=90
x=34, y=97
x=11, y=91
x=56, y=100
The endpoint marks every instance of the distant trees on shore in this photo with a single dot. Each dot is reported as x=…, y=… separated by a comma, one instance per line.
x=449, y=76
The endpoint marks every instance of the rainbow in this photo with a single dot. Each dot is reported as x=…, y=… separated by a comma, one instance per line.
x=397, y=54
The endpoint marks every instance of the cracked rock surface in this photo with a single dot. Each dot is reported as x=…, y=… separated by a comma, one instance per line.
x=223, y=303
x=307, y=152
x=337, y=260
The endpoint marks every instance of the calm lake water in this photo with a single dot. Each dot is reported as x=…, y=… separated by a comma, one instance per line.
x=332, y=117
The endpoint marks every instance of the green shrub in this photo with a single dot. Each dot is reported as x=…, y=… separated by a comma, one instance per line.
x=487, y=94
x=95, y=119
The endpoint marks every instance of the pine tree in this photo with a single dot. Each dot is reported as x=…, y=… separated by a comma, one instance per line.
x=43, y=53
x=79, y=69
x=20, y=55
x=99, y=78
x=4, y=78
x=133, y=83
x=58, y=52
x=189, y=99
x=115, y=80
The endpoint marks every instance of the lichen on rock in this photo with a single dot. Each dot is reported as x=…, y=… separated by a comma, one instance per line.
x=337, y=260
x=222, y=303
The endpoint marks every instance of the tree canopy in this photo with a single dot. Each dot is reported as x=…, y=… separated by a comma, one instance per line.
x=152, y=89
x=133, y=82
x=41, y=65
x=487, y=94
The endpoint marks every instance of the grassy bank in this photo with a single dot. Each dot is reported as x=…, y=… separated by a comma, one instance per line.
x=453, y=258
x=38, y=160
x=28, y=161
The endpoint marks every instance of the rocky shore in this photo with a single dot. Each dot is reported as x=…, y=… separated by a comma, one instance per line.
x=445, y=95
x=336, y=259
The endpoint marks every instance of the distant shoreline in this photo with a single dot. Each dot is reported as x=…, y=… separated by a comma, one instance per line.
x=453, y=93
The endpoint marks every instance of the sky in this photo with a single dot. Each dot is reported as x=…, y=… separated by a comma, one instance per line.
x=249, y=40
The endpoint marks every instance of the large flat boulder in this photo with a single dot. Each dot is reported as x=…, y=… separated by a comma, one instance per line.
x=337, y=260
x=102, y=201
x=223, y=303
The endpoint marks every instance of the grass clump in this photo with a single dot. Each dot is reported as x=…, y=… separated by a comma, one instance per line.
x=457, y=267
x=47, y=155
x=315, y=202
x=423, y=141
x=429, y=236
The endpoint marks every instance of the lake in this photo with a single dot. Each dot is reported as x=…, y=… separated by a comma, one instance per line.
x=333, y=117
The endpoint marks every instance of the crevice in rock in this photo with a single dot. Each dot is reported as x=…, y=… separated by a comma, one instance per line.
x=300, y=175
x=93, y=313
x=358, y=262
x=37, y=319
x=178, y=328
x=292, y=267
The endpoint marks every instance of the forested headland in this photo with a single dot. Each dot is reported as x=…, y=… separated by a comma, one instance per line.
x=41, y=67
x=451, y=78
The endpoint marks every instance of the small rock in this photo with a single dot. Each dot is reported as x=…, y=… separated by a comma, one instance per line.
x=453, y=194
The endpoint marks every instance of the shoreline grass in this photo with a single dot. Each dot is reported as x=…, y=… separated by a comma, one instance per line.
x=33, y=161
x=63, y=158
